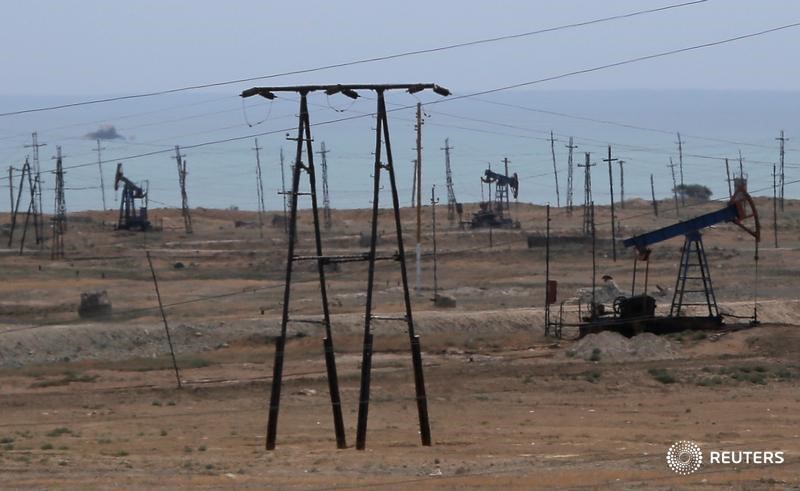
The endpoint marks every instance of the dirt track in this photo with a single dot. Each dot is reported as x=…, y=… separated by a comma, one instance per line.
x=508, y=406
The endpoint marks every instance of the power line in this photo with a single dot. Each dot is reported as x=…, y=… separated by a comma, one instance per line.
x=624, y=62
x=483, y=92
x=356, y=62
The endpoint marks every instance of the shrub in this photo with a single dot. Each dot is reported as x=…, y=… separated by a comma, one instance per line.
x=662, y=375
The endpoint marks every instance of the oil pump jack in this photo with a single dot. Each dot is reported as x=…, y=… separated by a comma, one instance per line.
x=129, y=217
x=693, y=288
x=491, y=212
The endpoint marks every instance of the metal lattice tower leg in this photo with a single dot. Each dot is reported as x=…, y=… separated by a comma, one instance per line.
x=304, y=136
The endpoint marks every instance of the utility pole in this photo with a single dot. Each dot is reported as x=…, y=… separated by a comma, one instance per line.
x=611, y=189
x=434, y=201
x=326, y=202
x=547, y=275
x=775, y=204
x=414, y=185
x=621, y=184
x=37, y=209
x=452, y=205
x=555, y=168
x=741, y=165
x=653, y=194
x=674, y=187
x=164, y=318
x=283, y=193
x=259, y=191
x=100, y=168
x=418, y=127
x=680, y=160
x=594, y=259
x=587, y=193
x=781, y=180
x=187, y=217
x=508, y=202
x=11, y=186
x=60, y=211
x=728, y=173
x=571, y=147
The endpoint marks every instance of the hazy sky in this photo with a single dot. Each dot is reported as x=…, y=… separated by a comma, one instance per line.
x=92, y=47
x=56, y=52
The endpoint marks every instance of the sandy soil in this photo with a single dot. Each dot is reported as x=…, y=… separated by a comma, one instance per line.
x=93, y=405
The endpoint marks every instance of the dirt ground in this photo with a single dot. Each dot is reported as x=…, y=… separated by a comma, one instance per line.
x=94, y=404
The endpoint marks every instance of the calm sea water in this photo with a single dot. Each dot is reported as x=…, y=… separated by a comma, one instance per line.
x=222, y=175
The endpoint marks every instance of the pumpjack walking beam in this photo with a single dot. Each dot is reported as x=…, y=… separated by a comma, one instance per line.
x=304, y=137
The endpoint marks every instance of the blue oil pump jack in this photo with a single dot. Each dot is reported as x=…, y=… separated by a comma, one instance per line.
x=693, y=286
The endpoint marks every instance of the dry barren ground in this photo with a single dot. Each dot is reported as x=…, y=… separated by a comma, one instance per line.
x=93, y=405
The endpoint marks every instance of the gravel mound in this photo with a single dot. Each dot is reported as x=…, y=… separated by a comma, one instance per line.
x=611, y=346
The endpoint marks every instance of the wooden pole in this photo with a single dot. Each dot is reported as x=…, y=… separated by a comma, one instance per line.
x=613, y=220
x=555, y=168
x=653, y=194
x=164, y=318
x=418, y=284
x=775, y=204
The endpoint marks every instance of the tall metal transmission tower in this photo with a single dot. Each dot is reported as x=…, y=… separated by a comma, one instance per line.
x=259, y=191
x=326, y=201
x=187, y=217
x=571, y=147
x=99, y=149
x=452, y=204
x=555, y=168
x=37, y=188
x=59, y=212
x=588, y=204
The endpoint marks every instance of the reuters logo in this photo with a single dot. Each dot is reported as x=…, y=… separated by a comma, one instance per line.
x=684, y=457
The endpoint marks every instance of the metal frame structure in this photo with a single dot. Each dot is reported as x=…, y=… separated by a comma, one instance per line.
x=129, y=218
x=26, y=174
x=59, y=218
x=694, y=266
x=701, y=279
x=381, y=141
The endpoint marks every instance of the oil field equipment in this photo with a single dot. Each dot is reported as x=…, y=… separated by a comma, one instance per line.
x=693, y=288
x=491, y=212
x=129, y=217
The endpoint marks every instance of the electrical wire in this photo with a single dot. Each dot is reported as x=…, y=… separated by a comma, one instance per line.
x=356, y=62
x=470, y=95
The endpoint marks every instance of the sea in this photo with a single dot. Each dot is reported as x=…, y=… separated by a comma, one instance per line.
x=215, y=132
